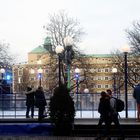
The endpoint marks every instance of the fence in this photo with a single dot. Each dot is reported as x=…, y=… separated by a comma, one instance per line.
x=86, y=105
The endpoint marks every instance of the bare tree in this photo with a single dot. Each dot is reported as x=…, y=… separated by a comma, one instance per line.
x=134, y=37
x=60, y=26
x=133, y=68
x=5, y=57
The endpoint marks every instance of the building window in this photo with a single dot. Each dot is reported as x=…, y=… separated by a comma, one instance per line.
x=20, y=72
x=99, y=70
x=99, y=86
x=92, y=70
x=99, y=78
x=106, y=70
x=32, y=78
x=106, y=86
x=47, y=71
x=136, y=69
x=106, y=78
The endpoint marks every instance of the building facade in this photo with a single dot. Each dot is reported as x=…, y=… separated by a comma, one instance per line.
x=99, y=76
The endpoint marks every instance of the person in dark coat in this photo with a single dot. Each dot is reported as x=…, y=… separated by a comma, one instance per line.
x=40, y=102
x=62, y=111
x=29, y=102
x=114, y=114
x=104, y=110
x=136, y=95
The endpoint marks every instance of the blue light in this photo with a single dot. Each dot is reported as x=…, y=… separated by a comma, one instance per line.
x=77, y=75
x=39, y=76
x=8, y=77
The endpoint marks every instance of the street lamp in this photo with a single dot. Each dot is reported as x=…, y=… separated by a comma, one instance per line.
x=114, y=71
x=40, y=71
x=59, y=49
x=2, y=70
x=126, y=49
x=86, y=90
x=77, y=75
x=68, y=41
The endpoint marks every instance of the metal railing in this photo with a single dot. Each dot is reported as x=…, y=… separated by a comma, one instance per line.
x=86, y=105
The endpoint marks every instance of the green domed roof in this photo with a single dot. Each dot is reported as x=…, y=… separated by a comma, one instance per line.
x=39, y=49
x=47, y=41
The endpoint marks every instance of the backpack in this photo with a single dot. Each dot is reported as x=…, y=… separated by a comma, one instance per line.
x=119, y=105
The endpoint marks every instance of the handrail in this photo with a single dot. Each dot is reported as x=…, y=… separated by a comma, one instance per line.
x=86, y=105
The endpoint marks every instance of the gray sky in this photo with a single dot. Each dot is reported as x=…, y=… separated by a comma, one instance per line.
x=104, y=21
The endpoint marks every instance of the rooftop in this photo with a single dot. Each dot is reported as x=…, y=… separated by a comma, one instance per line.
x=99, y=55
x=39, y=49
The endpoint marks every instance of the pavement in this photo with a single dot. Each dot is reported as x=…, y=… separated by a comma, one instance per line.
x=29, y=129
x=54, y=138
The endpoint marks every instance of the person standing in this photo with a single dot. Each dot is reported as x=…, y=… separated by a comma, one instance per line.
x=40, y=102
x=136, y=95
x=104, y=110
x=29, y=102
x=114, y=114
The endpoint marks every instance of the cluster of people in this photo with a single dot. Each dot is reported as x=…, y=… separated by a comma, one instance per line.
x=108, y=114
x=35, y=98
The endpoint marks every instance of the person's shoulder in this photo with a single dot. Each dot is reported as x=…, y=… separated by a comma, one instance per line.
x=113, y=98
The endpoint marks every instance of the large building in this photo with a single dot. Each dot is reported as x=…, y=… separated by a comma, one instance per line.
x=38, y=71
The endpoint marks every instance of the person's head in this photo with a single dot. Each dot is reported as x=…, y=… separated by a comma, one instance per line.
x=103, y=94
x=29, y=88
x=40, y=88
x=109, y=92
x=62, y=89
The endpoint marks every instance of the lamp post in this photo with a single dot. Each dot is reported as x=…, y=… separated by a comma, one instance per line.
x=68, y=41
x=40, y=71
x=114, y=71
x=126, y=50
x=77, y=75
x=59, y=49
x=2, y=71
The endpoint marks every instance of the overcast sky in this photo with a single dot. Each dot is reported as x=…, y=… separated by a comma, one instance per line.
x=104, y=21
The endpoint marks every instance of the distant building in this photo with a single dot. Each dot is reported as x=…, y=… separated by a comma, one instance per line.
x=100, y=71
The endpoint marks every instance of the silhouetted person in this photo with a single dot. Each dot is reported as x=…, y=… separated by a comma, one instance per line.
x=136, y=95
x=114, y=114
x=29, y=102
x=62, y=111
x=40, y=102
x=104, y=110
